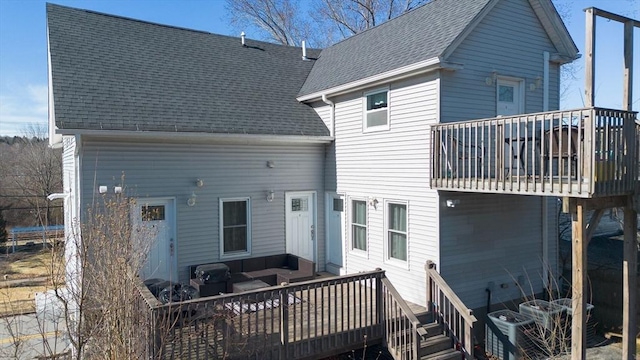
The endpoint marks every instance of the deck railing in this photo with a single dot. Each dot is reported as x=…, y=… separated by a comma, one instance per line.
x=450, y=311
x=578, y=153
x=302, y=320
x=403, y=330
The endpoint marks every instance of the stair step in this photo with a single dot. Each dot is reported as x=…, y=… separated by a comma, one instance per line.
x=433, y=329
x=424, y=317
x=435, y=344
x=449, y=354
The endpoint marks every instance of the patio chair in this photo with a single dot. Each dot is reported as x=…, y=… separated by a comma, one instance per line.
x=561, y=149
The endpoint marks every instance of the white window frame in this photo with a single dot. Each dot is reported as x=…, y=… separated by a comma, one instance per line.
x=387, y=230
x=352, y=248
x=366, y=112
x=224, y=255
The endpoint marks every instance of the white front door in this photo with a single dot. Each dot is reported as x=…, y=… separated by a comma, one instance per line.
x=300, y=224
x=509, y=97
x=335, y=231
x=155, y=220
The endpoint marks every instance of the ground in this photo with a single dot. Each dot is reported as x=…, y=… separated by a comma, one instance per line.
x=24, y=273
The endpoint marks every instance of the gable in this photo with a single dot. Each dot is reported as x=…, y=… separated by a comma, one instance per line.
x=113, y=73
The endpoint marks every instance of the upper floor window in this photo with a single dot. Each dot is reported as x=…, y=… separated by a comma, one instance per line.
x=376, y=111
x=235, y=226
x=359, y=225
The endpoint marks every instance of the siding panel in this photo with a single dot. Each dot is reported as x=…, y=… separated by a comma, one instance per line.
x=391, y=165
x=170, y=170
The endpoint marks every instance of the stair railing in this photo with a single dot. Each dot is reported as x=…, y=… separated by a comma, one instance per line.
x=457, y=320
x=402, y=331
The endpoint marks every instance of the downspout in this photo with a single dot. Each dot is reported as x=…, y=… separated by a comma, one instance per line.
x=545, y=204
x=332, y=117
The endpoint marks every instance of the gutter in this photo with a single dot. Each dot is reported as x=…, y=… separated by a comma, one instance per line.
x=332, y=125
x=202, y=137
x=418, y=68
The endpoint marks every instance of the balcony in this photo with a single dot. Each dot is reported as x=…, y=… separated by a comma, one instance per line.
x=583, y=153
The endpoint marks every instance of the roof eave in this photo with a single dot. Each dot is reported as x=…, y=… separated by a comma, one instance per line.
x=418, y=68
x=555, y=28
x=200, y=136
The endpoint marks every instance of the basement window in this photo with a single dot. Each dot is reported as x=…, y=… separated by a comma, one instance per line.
x=376, y=110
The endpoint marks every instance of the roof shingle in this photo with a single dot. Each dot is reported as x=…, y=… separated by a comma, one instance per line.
x=418, y=35
x=113, y=73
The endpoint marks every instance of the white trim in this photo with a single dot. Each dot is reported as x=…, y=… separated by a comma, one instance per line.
x=387, y=257
x=352, y=250
x=421, y=67
x=556, y=30
x=199, y=136
x=366, y=112
x=55, y=140
x=545, y=80
x=221, y=202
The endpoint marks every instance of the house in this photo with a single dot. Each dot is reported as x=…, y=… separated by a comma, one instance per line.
x=237, y=148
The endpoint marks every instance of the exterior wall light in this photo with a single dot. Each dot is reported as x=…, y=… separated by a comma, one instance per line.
x=192, y=199
x=271, y=195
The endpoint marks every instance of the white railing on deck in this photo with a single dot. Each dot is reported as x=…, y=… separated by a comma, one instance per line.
x=403, y=330
x=448, y=310
x=579, y=153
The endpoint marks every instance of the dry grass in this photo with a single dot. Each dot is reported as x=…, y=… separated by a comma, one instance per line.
x=26, y=265
x=34, y=268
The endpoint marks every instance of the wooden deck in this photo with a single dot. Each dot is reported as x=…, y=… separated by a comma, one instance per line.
x=584, y=153
x=314, y=319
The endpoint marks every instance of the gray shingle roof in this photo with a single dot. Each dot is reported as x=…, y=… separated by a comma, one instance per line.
x=114, y=73
x=418, y=35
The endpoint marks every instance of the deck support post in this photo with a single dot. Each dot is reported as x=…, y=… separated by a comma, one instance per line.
x=629, y=285
x=579, y=279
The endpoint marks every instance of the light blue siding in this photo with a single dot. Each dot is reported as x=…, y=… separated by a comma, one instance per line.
x=171, y=169
x=510, y=41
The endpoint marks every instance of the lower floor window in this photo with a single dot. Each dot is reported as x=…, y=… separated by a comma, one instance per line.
x=235, y=226
x=397, y=231
x=359, y=225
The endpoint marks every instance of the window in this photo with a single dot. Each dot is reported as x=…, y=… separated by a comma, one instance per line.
x=397, y=231
x=376, y=113
x=152, y=212
x=235, y=226
x=359, y=225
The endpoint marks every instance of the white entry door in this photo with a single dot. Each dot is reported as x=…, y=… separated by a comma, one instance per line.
x=300, y=224
x=509, y=97
x=335, y=231
x=156, y=223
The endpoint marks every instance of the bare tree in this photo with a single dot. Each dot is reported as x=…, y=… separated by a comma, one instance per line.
x=321, y=23
x=280, y=20
x=33, y=171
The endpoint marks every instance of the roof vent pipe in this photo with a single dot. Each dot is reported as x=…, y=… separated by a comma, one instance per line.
x=304, y=50
x=242, y=38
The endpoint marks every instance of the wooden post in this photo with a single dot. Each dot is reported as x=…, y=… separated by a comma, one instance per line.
x=284, y=322
x=590, y=60
x=627, y=95
x=629, y=285
x=579, y=276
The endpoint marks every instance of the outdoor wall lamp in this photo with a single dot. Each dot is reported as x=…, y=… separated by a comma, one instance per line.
x=192, y=199
x=373, y=202
x=451, y=203
x=270, y=195
x=490, y=80
x=199, y=182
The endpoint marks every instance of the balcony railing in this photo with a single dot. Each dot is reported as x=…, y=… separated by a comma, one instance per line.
x=578, y=153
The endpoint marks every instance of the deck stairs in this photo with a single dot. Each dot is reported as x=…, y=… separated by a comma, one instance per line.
x=435, y=344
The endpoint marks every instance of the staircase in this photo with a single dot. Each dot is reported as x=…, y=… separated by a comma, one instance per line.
x=428, y=335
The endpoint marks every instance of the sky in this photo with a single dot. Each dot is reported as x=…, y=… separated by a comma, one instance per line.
x=23, y=48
